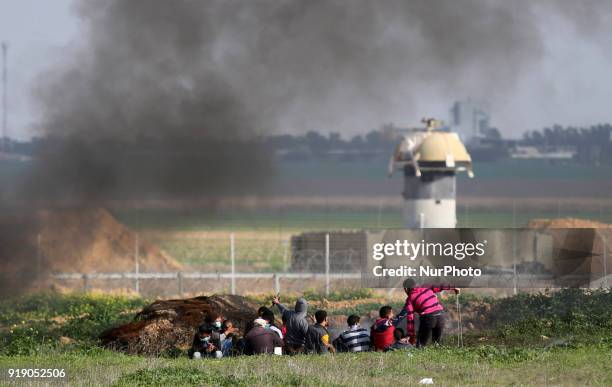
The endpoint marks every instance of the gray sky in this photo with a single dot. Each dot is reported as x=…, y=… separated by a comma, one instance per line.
x=38, y=33
x=571, y=85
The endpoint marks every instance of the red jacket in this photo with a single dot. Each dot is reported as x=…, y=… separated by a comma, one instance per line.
x=381, y=334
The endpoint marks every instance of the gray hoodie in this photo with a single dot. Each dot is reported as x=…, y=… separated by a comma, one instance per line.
x=296, y=323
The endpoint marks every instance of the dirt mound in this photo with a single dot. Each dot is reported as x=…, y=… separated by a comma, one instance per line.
x=166, y=325
x=36, y=243
x=94, y=241
x=82, y=240
x=566, y=223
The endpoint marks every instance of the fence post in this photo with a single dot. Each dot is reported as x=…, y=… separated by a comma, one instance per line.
x=379, y=213
x=233, y=262
x=605, y=259
x=276, y=283
x=285, y=243
x=38, y=255
x=137, y=264
x=85, y=283
x=327, y=264
x=514, y=261
x=179, y=278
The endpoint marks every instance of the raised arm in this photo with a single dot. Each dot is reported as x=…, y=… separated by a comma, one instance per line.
x=280, y=306
x=438, y=289
x=408, y=313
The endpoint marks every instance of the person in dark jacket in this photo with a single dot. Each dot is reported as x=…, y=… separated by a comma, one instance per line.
x=401, y=341
x=215, y=321
x=261, y=340
x=317, y=337
x=268, y=315
x=297, y=325
x=202, y=345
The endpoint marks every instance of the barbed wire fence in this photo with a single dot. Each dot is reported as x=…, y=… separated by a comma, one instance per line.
x=301, y=270
x=265, y=260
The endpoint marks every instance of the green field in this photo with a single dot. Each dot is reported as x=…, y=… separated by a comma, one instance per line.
x=316, y=219
x=200, y=238
x=501, y=169
x=377, y=169
x=562, y=338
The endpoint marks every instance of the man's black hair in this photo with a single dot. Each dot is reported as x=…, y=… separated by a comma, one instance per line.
x=211, y=317
x=205, y=328
x=385, y=311
x=268, y=315
x=353, y=320
x=409, y=283
x=320, y=316
x=262, y=310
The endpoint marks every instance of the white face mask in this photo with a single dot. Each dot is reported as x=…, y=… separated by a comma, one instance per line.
x=217, y=324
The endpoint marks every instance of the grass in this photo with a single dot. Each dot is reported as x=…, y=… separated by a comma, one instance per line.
x=36, y=323
x=210, y=251
x=34, y=331
x=588, y=365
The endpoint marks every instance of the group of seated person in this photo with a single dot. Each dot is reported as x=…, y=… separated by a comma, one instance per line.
x=217, y=337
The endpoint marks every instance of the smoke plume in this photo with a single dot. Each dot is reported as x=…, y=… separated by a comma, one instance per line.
x=170, y=96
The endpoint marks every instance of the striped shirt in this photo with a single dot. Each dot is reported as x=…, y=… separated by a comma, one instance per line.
x=356, y=339
x=422, y=301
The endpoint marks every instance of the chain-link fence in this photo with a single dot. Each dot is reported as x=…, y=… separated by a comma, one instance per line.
x=292, y=250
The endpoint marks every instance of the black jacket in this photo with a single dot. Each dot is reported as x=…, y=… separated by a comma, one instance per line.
x=199, y=345
x=314, y=339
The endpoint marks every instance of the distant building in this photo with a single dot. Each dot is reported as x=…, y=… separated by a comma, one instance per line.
x=470, y=119
x=543, y=152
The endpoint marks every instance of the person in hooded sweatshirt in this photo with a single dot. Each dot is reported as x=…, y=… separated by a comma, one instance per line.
x=297, y=325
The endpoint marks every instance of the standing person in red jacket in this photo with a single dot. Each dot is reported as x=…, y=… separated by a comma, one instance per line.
x=423, y=300
x=381, y=333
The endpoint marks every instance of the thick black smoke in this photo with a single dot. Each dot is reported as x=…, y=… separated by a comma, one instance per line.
x=169, y=97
